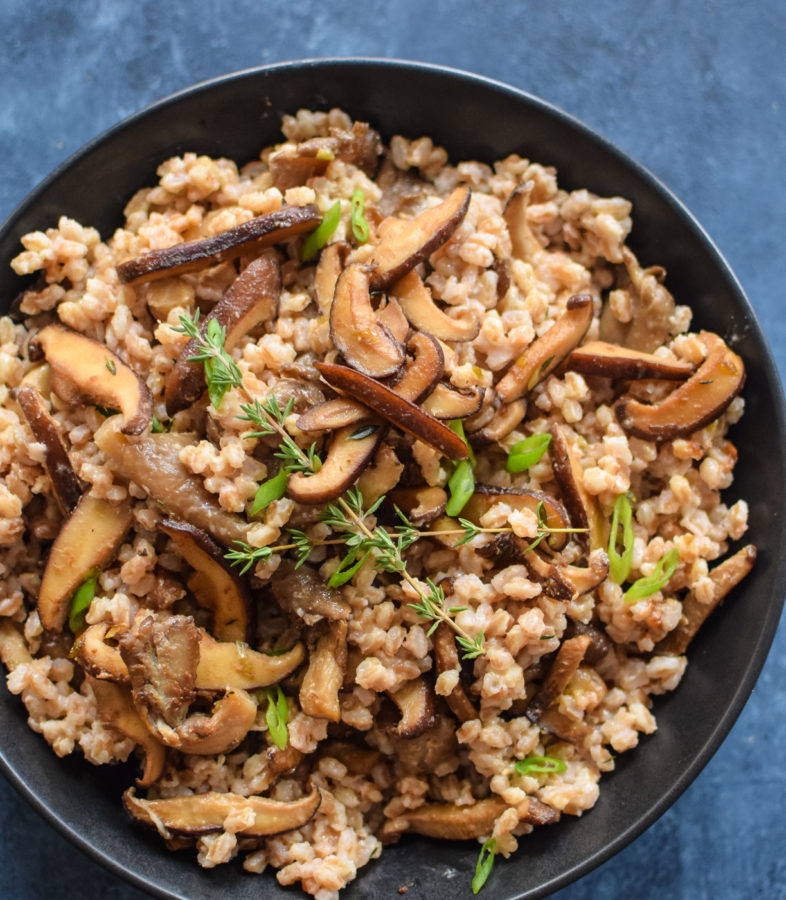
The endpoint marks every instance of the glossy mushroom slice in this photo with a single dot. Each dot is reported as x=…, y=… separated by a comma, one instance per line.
x=612, y=361
x=392, y=317
x=586, y=578
x=546, y=352
x=724, y=577
x=415, y=701
x=568, y=659
x=694, y=404
x=355, y=330
x=448, y=402
x=82, y=370
x=87, y=541
x=232, y=665
x=197, y=814
x=115, y=708
x=396, y=409
x=66, y=487
x=424, y=367
x=350, y=450
x=251, y=300
x=338, y=412
x=524, y=244
x=331, y=263
x=487, y=495
x=415, y=240
x=446, y=659
x=152, y=461
x=424, y=315
x=98, y=658
x=232, y=717
x=505, y=419
x=214, y=583
x=252, y=236
x=421, y=505
x=582, y=506
x=324, y=676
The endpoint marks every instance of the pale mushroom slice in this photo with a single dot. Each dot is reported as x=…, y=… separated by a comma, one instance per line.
x=586, y=578
x=612, y=361
x=446, y=659
x=486, y=496
x=694, y=404
x=197, y=814
x=214, y=583
x=392, y=317
x=416, y=703
x=338, y=412
x=448, y=402
x=355, y=330
x=568, y=659
x=331, y=263
x=582, y=506
x=421, y=505
x=251, y=299
x=422, y=370
x=66, y=487
x=82, y=370
x=381, y=476
x=324, y=676
x=232, y=717
x=13, y=646
x=396, y=409
x=99, y=659
x=87, y=541
x=525, y=246
x=153, y=462
x=115, y=708
x=423, y=314
x=505, y=419
x=546, y=352
x=402, y=248
x=254, y=235
x=724, y=577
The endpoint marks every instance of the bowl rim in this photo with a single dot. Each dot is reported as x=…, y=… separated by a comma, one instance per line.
x=759, y=652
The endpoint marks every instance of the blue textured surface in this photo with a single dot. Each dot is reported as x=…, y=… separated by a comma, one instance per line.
x=694, y=91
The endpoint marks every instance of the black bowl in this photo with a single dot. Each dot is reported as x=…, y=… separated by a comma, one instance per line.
x=475, y=119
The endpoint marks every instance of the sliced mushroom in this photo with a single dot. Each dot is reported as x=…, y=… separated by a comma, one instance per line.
x=446, y=659
x=392, y=317
x=449, y=402
x=381, y=476
x=582, y=506
x=694, y=404
x=546, y=352
x=325, y=674
x=524, y=244
x=303, y=593
x=549, y=576
x=505, y=419
x=487, y=495
x=421, y=373
x=354, y=329
x=330, y=265
x=87, y=541
x=568, y=659
x=587, y=578
x=392, y=406
x=421, y=505
x=415, y=700
x=612, y=361
x=13, y=647
x=97, y=657
x=350, y=450
x=501, y=267
x=724, y=577
x=115, y=708
x=335, y=413
x=83, y=370
x=599, y=645
x=272, y=228
x=424, y=315
x=152, y=461
x=232, y=717
x=214, y=583
x=250, y=300
x=196, y=814
x=225, y=665
x=406, y=246
x=66, y=487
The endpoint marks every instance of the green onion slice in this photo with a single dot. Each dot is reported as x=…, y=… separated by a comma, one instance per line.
x=347, y=568
x=80, y=602
x=272, y=489
x=643, y=587
x=322, y=233
x=620, y=563
x=484, y=864
x=540, y=765
x=358, y=222
x=457, y=426
x=461, y=486
x=526, y=453
x=277, y=716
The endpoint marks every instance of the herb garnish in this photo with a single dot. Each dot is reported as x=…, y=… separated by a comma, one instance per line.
x=80, y=602
x=526, y=453
x=461, y=484
x=484, y=864
x=322, y=233
x=664, y=569
x=268, y=491
x=277, y=716
x=620, y=563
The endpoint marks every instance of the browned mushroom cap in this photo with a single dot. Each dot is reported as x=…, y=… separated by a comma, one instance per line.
x=567, y=660
x=83, y=370
x=424, y=315
x=254, y=235
x=404, y=247
x=232, y=718
x=303, y=593
x=487, y=495
x=613, y=361
x=354, y=329
x=393, y=407
x=548, y=575
x=66, y=487
x=250, y=300
x=392, y=317
x=324, y=676
x=421, y=373
x=97, y=657
x=335, y=413
x=87, y=541
x=599, y=645
x=525, y=245
x=546, y=352
x=724, y=577
x=581, y=505
x=350, y=450
x=214, y=583
x=415, y=700
x=204, y=813
x=115, y=708
x=694, y=404
x=505, y=419
x=227, y=665
x=381, y=476
x=446, y=659
x=449, y=402
x=586, y=578
x=153, y=462
x=331, y=262
x=421, y=505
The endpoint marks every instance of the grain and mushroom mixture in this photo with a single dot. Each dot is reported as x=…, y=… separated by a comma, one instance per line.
x=358, y=494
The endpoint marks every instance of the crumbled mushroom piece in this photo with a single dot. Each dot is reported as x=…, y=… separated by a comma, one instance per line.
x=359, y=760
x=302, y=593
x=486, y=495
x=612, y=361
x=424, y=315
x=582, y=506
x=568, y=659
x=324, y=676
x=446, y=659
x=392, y=317
x=599, y=645
x=381, y=476
x=415, y=700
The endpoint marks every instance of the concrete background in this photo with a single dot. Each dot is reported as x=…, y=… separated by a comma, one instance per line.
x=694, y=90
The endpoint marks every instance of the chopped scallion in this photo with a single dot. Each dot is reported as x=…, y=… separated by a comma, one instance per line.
x=358, y=223
x=526, y=453
x=540, y=765
x=643, y=587
x=347, y=568
x=484, y=864
x=622, y=517
x=80, y=602
x=277, y=716
x=322, y=233
x=272, y=489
